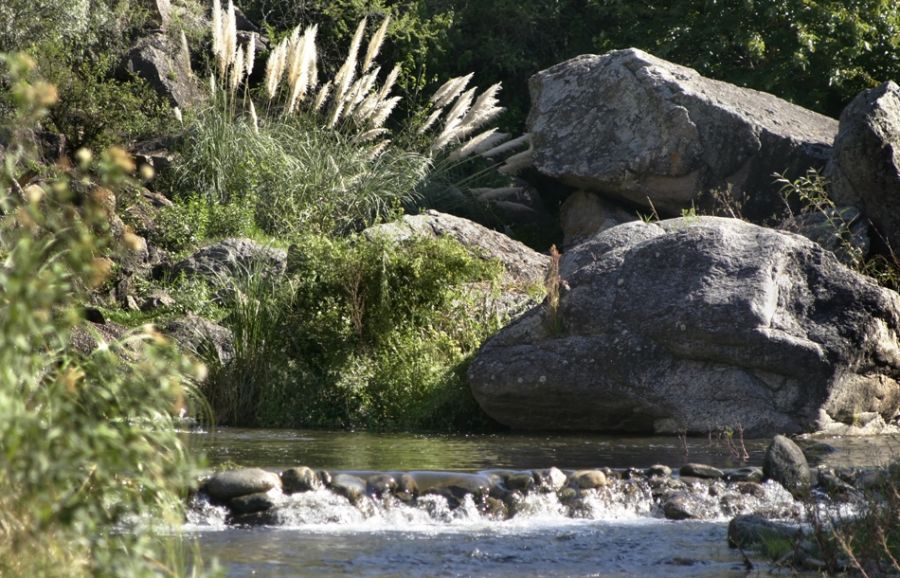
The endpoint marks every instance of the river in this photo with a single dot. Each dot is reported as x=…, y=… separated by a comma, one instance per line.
x=619, y=533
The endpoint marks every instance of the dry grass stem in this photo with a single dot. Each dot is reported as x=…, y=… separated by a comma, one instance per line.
x=507, y=147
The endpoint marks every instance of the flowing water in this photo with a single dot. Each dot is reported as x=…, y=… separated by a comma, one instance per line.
x=614, y=531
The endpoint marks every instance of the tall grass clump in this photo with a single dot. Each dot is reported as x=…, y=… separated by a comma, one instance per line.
x=316, y=154
x=91, y=460
x=361, y=333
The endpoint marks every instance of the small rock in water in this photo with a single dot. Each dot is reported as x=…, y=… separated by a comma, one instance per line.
x=589, y=479
x=749, y=474
x=752, y=530
x=381, y=484
x=349, y=486
x=251, y=503
x=522, y=482
x=407, y=485
x=786, y=464
x=300, y=479
x=658, y=471
x=233, y=483
x=678, y=507
x=701, y=471
x=552, y=480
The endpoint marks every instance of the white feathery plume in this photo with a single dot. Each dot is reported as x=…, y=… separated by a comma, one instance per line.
x=429, y=122
x=237, y=70
x=366, y=108
x=371, y=134
x=230, y=34
x=375, y=44
x=178, y=116
x=212, y=84
x=454, y=116
x=450, y=90
x=310, y=55
x=254, y=118
x=384, y=110
x=275, y=68
x=389, y=82
x=344, y=77
x=322, y=96
x=478, y=143
x=517, y=162
x=218, y=42
x=250, y=55
x=506, y=147
x=360, y=89
x=485, y=105
x=378, y=149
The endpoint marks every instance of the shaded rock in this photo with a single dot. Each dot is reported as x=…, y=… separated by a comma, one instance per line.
x=701, y=471
x=584, y=214
x=658, y=471
x=786, y=464
x=351, y=487
x=230, y=484
x=300, y=479
x=749, y=474
x=688, y=324
x=209, y=341
x=678, y=507
x=159, y=12
x=632, y=126
x=380, y=484
x=748, y=531
x=520, y=481
x=157, y=299
x=232, y=257
x=457, y=484
x=841, y=230
x=166, y=67
x=251, y=503
x=86, y=337
x=865, y=168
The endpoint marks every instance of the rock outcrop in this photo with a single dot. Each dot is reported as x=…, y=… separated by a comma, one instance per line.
x=166, y=66
x=696, y=324
x=522, y=264
x=231, y=257
x=865, y=167
x=635, y=127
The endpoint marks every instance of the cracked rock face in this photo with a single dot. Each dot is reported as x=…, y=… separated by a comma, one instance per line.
x=635, y=127
x=865, y=168
x=697, y=324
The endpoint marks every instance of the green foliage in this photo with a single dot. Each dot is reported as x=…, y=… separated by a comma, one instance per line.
x=291, y=177
x=416, y=39
x=88, y=444
x=365, y=333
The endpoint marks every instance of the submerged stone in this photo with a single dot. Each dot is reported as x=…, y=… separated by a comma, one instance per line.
x=701, y=471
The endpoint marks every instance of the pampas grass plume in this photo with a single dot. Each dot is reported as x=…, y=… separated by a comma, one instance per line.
x=250, y=55
x=375, y=44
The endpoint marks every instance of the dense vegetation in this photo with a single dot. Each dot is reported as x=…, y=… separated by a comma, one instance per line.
x=87, y=441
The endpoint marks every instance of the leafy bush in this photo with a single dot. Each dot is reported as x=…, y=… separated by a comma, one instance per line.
x=91, y=458
x=365, y=333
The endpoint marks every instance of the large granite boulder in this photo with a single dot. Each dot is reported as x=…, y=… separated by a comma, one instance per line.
x=635, y=127
x=865, y=168
x=697, y=324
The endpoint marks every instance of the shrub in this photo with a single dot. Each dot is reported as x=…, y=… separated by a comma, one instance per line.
x=91, y=459
x=365, y=333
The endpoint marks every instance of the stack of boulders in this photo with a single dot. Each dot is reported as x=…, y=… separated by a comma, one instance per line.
x=685, y=323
